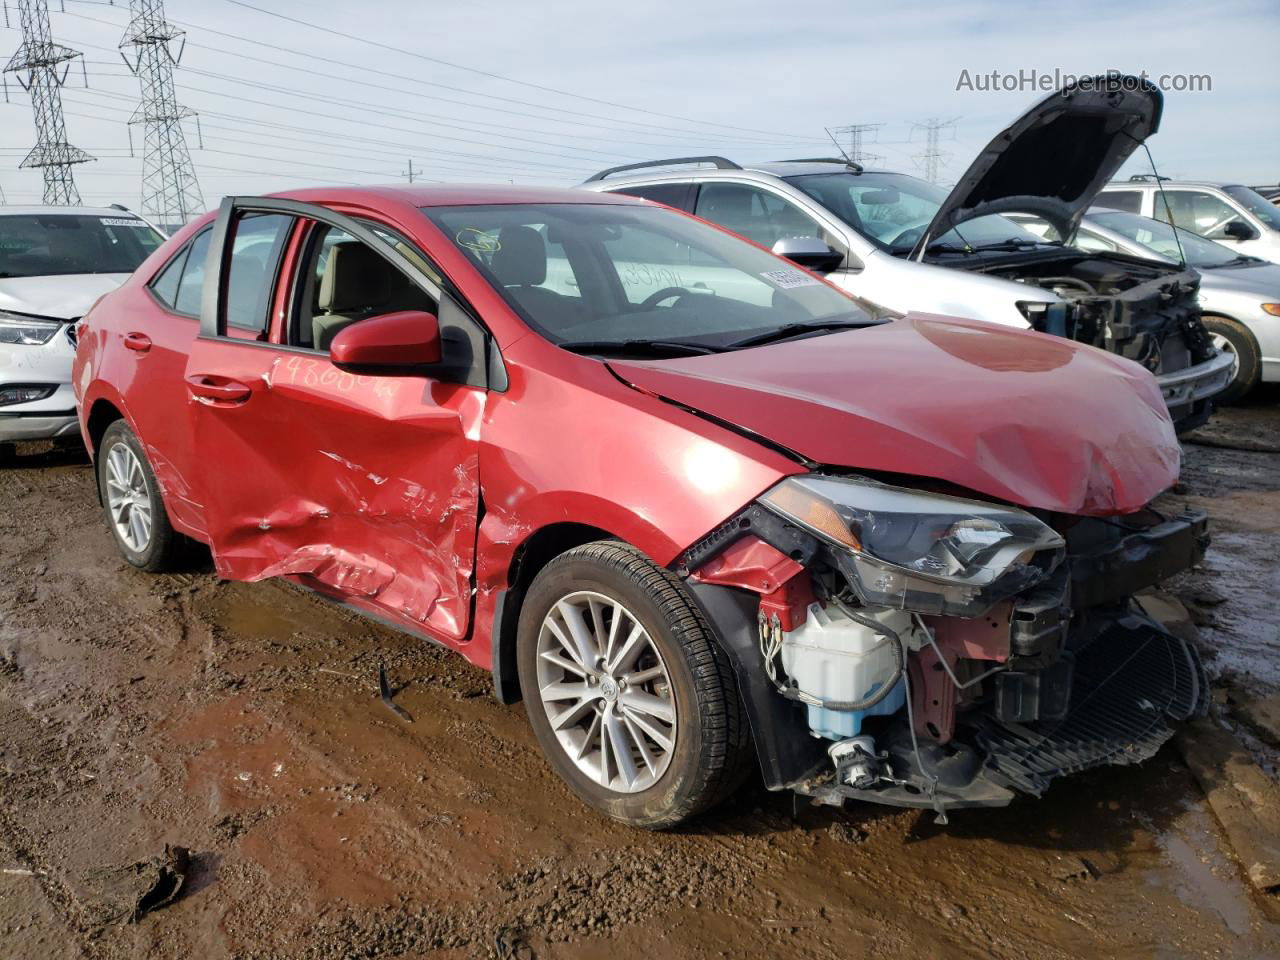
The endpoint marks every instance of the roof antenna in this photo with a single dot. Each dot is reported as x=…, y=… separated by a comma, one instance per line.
x=847, y=159
x=1182, y=256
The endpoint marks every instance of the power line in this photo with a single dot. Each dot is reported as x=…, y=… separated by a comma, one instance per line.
x=38, y=60
x=486, y=73
x=312, y=57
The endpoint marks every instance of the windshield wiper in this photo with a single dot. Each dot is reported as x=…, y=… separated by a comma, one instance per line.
x=797, y=329
x=654, y=347
x=1013, y=245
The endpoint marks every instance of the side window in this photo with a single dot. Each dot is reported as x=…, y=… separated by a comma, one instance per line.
x=672, y=194
x=165, y=285
x=1194, y=210
x=343, y=281
x=1093, y=243
x=191, y=283
x=756, y=214
x=255, y=259
x=1129, y=201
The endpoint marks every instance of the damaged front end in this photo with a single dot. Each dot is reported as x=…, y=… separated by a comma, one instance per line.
x=924, y=650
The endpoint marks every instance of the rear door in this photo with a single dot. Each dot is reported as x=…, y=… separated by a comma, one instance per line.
x=363, y=487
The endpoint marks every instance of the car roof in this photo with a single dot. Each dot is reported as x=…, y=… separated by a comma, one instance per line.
x=448, y=195
x=1134, y=184
x=761, y=171
x=36, y=209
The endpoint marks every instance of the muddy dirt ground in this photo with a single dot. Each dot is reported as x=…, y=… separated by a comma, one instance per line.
x=240, y=722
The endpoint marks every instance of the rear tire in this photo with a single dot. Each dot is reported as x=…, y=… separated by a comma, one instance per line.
x=131, y=502
x=611, y=740
x=1236, y=338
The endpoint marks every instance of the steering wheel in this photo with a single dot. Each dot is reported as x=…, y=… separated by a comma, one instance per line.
x=655, y=298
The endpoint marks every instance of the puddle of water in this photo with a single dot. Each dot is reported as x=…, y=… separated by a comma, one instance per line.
x=1205, y=879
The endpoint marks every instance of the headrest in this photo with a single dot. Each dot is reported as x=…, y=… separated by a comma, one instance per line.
x=355, y=278
x=521, y=259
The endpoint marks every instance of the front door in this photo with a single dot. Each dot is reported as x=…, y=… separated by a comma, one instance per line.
x=364, y=487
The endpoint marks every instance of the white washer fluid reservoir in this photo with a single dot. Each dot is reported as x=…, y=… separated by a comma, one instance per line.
x=833, y=657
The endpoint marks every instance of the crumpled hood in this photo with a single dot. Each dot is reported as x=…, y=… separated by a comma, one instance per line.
x=1055, y=158
x=59, y=297
x=1019, y=416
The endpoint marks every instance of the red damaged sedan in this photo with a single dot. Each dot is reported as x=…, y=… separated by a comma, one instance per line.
x=700, y=510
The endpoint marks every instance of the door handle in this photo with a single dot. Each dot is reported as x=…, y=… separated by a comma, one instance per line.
x=214, y=389
x=137, y=341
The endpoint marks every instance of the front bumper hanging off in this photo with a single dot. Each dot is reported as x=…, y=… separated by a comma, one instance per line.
x=1131, y=684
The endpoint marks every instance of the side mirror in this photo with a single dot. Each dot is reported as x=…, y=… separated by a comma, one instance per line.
x=1239, y=230
x=810, y=252
x=394, y=342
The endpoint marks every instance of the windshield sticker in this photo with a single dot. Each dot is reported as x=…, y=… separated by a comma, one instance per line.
x=121, y=222
x=473, y=238
x=788, y=279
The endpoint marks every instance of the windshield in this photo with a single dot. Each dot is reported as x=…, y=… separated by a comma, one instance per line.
x=892, y=210
x=1158, y=237
x=1256, y=204
x=57, y=244
x=612, y=274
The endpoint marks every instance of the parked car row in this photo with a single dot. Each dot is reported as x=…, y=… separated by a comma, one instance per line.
x=872, y=529
x=905, y=244
x=1230, y=213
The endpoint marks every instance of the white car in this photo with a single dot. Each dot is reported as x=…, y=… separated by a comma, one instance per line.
x=1232, y=214
x=55, y=262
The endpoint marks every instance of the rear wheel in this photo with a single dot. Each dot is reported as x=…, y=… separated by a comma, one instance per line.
x=131, y=502
x=630, y=697
x=1235, y=338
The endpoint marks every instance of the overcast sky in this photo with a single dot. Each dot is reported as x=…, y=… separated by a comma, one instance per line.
x=551, y=91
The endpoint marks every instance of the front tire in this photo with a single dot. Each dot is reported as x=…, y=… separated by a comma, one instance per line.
x=131, y=502
x=1235, y=338
x=629, y=695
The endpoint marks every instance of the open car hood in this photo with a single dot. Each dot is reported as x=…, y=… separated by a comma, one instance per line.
x=1054, y=159
x=1021, y=417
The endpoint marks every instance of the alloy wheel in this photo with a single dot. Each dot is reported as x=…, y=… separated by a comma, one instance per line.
x=1225, y=345
x=128, y=497
x=606, y=692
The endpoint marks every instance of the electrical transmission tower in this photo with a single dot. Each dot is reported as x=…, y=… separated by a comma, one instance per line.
x=932, y=156
x=856, y=135
x=41, y=66
x=170, y=192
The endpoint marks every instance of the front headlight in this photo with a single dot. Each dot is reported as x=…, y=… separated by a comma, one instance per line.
x=25, y=330
x=919, y=551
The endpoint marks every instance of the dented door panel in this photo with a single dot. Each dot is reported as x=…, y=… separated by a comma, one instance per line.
x=364, y=486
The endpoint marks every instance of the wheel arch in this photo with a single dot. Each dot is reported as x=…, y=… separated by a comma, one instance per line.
x=102, y=414
x=534, y=552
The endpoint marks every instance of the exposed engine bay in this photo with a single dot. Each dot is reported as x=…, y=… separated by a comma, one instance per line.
x=1126, y=306
x=943, y=653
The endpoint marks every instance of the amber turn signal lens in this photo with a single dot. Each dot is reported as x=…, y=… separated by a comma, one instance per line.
x=811, y=510
x=1272, y=308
